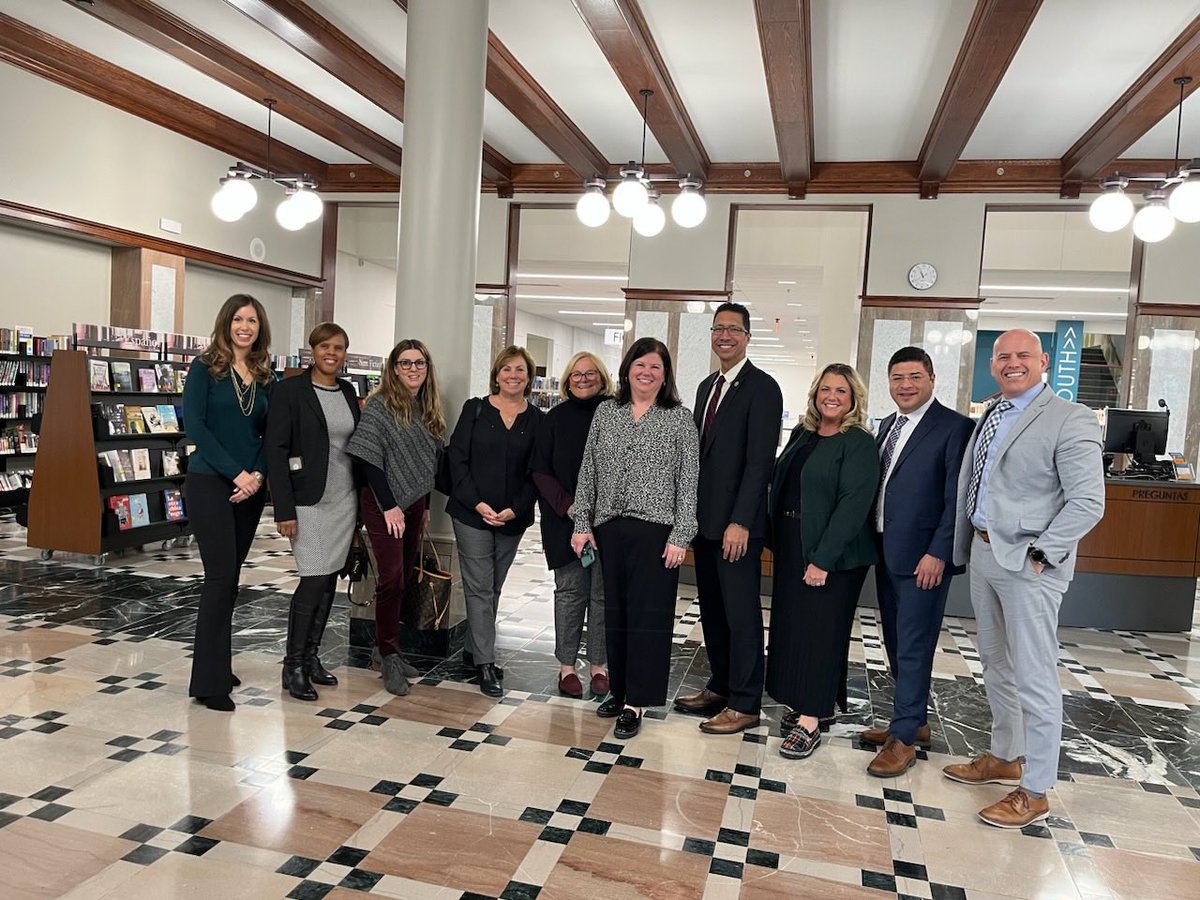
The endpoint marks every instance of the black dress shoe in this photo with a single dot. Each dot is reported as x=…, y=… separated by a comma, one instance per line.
x=317, y=673
x=237, y=682
x=628, y=725
x=610, y=708
x=489, y=681
x=223, y=703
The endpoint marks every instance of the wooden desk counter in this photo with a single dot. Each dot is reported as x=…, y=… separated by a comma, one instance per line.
x=1149, y=528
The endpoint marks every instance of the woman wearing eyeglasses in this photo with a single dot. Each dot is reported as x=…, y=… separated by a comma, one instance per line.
x=578, y=589
x=397, y=442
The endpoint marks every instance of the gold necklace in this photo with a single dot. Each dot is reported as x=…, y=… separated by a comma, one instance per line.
x=245, y=396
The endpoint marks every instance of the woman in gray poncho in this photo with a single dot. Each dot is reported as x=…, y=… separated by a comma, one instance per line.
x=397, y=440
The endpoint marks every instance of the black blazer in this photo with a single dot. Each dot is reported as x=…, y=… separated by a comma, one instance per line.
x=296, y=428
x=919, y=506
x=737, y=459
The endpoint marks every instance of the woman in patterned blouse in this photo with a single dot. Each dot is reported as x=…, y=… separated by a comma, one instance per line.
x=636, y=503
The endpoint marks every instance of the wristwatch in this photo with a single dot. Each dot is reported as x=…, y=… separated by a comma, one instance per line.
x=1038, y=556
x=259, y=477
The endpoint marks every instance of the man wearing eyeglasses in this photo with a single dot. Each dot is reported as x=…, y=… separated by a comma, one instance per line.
x=738, y=412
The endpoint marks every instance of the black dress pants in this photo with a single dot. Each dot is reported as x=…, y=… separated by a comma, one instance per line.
x=731, y=616
x=224, y=532
x=639, y=609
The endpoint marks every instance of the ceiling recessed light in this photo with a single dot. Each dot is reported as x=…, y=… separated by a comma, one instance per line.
x=564, y=277
x=585, y=312
x=797, y=305
x=1053, y=289
x=787, y=282
x=570, y=298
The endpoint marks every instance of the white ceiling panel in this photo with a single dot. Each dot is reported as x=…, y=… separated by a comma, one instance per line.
x=552, y=42
x=243, y=34
x=90, y=34
x=728, y=103
x=879, y=68
x=1078, y=57
x=378, y=26
x=505, y=132
x=1159, y=141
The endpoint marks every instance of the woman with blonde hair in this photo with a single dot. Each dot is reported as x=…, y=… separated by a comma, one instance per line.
x=821, y=494
x=225, y=414
x=397, y=442
x=578, y=589
x=491, y=499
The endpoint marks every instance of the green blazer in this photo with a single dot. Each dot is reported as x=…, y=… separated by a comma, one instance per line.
x=838, y=487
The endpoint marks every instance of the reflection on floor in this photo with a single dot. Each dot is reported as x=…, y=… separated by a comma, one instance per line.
x=113, y=785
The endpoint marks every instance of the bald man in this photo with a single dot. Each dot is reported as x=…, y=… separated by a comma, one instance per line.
x=1031, y=486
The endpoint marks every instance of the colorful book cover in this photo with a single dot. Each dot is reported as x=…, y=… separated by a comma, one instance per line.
x=141, y=463
x=173, y=504
x=125, y=464
x=120, y=505
x=165, y=374
x=180, y=380
x=139, y=512
x=134, y=424
x=114, y=417
x=170, y=462
x=122, y=375
x=147, y=380
x=98, y=375
x=166, y=414
x=153, y=420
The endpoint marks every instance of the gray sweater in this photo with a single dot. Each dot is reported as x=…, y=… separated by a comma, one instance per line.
x=407, y=454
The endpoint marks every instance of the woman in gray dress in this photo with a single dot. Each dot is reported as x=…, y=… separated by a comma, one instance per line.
x=311, y=418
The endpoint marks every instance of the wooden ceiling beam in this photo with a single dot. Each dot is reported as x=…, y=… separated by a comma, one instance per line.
x=993, y=36
x=158, y=28
x=55, y=60
x=622, y=34
x=1139, y=109
x=785, y=34
x=337, y=53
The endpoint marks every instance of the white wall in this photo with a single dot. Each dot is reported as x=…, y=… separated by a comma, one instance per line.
x=567, y=342
x=365, y=304
x=205, y=289
x=50, y=282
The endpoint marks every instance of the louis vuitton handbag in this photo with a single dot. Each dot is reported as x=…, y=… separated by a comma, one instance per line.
x=428, y=600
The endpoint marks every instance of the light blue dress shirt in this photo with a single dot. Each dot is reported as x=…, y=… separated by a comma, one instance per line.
x=1007, y=420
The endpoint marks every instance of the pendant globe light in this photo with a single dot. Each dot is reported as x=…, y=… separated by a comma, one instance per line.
x=650, y=219
x=688, y=209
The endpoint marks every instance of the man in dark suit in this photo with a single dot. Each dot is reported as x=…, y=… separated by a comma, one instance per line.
x=921, y=449
x=738, y=411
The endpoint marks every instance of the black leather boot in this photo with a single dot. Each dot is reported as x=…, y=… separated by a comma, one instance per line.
x=316, y=672
x=300, y=620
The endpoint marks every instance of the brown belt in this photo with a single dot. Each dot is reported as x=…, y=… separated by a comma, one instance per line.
x=983, y=535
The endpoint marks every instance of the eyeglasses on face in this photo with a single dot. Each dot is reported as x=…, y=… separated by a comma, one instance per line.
x=407, y=364
x=584, y=376
x=735, y=330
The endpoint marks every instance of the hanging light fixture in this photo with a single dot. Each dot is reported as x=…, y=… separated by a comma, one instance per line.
x=237, y=195
x=1170, y=198
x=634, y=199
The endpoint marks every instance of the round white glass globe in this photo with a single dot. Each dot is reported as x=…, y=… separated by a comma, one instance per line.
x=225, y=206
x=689, y=209
x=630, y=196
x=593, y=209
x=289, y=216
x=244, y=193
x=1111, y=211
x=309, y=204
x=1153, y=223
x=649, y=220
x=1184, y=201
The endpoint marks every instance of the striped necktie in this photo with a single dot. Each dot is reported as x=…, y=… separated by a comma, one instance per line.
x=889, y=446
x=986, y=434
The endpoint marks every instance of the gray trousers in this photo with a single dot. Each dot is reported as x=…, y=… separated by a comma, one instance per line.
x=484, y=558
x=579, y=592
x=1017, y=617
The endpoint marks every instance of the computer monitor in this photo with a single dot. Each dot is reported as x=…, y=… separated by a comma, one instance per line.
x=1142, y=433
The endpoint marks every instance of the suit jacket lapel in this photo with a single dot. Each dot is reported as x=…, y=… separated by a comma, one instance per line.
x=884, y=427
x=310, y=397
x=727, y=392
x=921, y=429
x=1027, y=418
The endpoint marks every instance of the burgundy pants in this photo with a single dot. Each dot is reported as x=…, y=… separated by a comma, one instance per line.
x=396, y=560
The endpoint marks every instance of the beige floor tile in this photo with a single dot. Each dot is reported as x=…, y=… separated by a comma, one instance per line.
x=1145, y=816
x=677, y=746
x=28, y=695
x=677, y=804
x=979, y=857
x=182, y=877
x=38, y=643
x=44, y=859
x=770, y=884
x=396, y=751
x=463, y=850
x=599, y=867
x=1143, y=688
x=446, y=706
x=1139, y=875
x=252, y=731
x=1112, y=660
x=33, y=761
x=520, y=774
x=576, y=725
x=822, y=830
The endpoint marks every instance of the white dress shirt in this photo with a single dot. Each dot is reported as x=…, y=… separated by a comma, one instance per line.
x=730, y=378
x=909, y=427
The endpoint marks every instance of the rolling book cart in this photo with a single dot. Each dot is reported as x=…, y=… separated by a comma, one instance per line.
x=113, y=451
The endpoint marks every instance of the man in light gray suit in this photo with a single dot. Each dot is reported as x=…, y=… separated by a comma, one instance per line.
x=1031, y=486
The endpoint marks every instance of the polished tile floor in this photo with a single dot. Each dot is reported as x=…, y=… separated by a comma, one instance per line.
x=113, y=785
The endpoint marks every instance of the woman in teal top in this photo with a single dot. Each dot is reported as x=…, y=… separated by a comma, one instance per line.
x=820, y=503
x=225, y=413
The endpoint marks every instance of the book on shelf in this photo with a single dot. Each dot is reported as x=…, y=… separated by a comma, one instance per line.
x=106, y=461
x=122, y=375
x=165, y=376
x=20, y=404
x=112, y=418
x=24, y=373
x=141, y=463
x=18, y=440
x=180, y=380
x=139, y=510
x=173, y=504
x=153, y=420
x=98, y=375
x=119, y=504
x=166, y=414
x=147, y=381
x=16, y=481
x=124, y=465
x=134, y=424
x=170, y=462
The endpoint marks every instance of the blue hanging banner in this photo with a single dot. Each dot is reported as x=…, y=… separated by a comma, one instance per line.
x=1064, y=367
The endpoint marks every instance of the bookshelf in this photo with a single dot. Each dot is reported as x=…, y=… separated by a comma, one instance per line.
x=24, y=375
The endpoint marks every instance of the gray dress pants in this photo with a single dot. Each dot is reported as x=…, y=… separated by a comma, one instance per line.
x=579, y=593
x=484, y=558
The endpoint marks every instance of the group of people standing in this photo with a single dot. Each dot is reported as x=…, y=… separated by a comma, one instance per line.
x=627, y=478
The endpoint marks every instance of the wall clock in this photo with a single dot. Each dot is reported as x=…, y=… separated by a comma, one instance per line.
x=922, y=276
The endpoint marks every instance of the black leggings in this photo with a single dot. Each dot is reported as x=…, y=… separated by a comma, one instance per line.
x=224, y=532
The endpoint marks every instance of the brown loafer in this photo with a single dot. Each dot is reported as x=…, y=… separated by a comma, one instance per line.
x=877, y=737
x=1018, y=809
x=599, y=685
x=985, y=769
x=729, y=721
x=705, y=703
x=894, y=759
x=570, y=685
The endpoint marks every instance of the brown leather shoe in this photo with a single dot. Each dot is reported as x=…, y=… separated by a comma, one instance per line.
x=894, y=759
x=985, y=769
x=1017, y=810
x=705, y=703
x=877, y=737
x=729, y=721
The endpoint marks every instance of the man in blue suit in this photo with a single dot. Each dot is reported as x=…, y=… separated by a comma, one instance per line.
x=921, y=449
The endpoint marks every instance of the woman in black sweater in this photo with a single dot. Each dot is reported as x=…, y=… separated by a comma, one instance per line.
x=578, y=590
x=491, y=499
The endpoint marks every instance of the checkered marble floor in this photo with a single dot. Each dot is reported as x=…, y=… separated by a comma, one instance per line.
x=113, y=785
